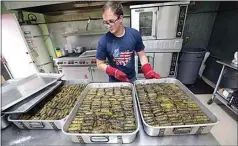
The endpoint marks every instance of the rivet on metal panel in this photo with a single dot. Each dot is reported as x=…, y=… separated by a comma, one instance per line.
x=200, y=129
x=161, y=132
x=119, y=139
x=80, y=139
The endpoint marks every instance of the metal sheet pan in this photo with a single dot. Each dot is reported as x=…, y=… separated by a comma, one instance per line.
x=4, y=122
x=105, y=137
x=181, y=129
x=90, y=53
x=17, y=91
x=43, y=124
x=27, y=104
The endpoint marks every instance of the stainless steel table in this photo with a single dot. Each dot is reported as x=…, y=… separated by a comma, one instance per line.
x=216, y=94
x=14, y=136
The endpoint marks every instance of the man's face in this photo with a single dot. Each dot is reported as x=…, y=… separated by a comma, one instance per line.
x=112, y=21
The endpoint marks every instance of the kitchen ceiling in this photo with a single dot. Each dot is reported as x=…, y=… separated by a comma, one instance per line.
x=60, y=8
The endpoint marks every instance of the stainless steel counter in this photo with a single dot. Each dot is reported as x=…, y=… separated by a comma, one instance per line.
x=14, y=136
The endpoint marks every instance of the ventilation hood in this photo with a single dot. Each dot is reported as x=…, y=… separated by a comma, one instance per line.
x=58, y=7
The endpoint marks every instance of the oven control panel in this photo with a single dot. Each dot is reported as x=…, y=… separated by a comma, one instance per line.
x=173, y=67
x=80, y=62
x=181, y=21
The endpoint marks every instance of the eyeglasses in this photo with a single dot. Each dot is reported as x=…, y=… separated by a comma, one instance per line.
x=110, y=22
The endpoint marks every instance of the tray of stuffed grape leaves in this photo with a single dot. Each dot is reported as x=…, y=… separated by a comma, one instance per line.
x=105, y=113
x=51, y=112
x=167, y=107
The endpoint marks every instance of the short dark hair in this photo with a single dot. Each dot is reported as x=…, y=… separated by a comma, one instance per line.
x=116, y=7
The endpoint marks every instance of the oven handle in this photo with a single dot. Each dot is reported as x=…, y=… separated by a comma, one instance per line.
x=151, y=60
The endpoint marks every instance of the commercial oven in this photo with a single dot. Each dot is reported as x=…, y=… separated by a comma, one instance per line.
x=161, y=26
x=159, y=20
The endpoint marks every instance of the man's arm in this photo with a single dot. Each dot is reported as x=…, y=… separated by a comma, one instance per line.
x=143, y=58
x=101, y=65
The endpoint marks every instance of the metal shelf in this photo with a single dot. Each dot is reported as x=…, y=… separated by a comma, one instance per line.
x=224, y=101
x=84, y=33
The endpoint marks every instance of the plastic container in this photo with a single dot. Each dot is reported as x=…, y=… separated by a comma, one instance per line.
x=189, y=64
x=58, y=52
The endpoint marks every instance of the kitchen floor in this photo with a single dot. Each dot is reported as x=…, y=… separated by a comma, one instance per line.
x=226, y=130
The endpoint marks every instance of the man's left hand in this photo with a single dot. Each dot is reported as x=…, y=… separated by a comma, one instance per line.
x=149, y=72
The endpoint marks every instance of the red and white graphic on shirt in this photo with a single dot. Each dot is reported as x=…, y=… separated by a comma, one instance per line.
x=123, y=58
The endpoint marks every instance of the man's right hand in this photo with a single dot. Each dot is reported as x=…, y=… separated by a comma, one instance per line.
x=117, y=74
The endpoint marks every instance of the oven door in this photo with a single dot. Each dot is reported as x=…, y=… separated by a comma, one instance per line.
x=144, y=20
x=138, y=66
x=166, y=64
x=167, y=22
x=74, y=73
x=99, y=75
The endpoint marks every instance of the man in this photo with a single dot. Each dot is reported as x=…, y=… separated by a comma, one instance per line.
x=119, y=45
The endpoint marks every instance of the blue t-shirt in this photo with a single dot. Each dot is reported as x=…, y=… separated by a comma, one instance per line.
x=120, y=51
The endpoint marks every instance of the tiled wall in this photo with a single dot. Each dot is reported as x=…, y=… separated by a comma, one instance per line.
x=223, y=44
x=199, y=24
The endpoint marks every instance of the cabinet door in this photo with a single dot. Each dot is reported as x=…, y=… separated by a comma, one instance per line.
x=99, y=75
x=72, y=73
x=144, y=20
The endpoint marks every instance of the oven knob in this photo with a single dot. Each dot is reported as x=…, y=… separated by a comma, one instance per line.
x=58, y=62
x=180, y=22
x=72, y=62
x=92, y=62
x=83, y=62
x=179, y=33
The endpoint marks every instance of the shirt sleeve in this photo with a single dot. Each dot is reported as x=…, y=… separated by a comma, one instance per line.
x=101, y=52
x=139, y=43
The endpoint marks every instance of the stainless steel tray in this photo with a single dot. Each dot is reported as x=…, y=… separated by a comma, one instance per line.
x=43, y=124
x=90, y=53
x=27, y=104
x=105, y=137
x=17, y=91
x=4, y=122
x=177, y=130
